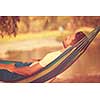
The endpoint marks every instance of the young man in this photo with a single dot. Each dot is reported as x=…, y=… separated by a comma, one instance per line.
x=37, y=65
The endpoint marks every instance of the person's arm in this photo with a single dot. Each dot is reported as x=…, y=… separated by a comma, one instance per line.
x=28, y=70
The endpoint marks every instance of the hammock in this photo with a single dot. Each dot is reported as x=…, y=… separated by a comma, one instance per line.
x=59, y=65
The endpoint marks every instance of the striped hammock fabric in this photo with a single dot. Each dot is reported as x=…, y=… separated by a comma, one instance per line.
x=59, y=65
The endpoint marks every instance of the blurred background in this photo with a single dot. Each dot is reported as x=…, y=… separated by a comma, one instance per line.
x=23, y=38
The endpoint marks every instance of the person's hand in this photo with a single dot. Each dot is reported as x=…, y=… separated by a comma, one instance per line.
x=68, y=41
x=33, y=60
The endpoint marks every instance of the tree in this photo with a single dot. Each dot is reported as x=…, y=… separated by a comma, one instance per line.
x=24, y=24
x=8, y=25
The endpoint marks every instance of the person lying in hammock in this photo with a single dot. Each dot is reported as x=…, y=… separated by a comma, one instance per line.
x=37, y=65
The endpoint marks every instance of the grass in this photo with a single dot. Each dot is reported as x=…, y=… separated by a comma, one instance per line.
x=44, y=34
x=30, y=36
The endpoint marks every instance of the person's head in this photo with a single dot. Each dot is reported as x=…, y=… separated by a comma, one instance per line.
x=73, y=39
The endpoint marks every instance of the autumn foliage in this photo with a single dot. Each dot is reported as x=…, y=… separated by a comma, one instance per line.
x=11, y=25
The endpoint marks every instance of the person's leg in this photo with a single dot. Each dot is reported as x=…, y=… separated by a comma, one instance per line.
x=31, y=68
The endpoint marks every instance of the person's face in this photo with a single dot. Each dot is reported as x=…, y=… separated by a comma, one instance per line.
x=73, y=39
x=69, y=40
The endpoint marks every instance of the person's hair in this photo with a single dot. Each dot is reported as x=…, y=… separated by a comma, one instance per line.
x=78, y=37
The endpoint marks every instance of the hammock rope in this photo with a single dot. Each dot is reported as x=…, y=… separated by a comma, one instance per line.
x=61, y=63
x=64, y=61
